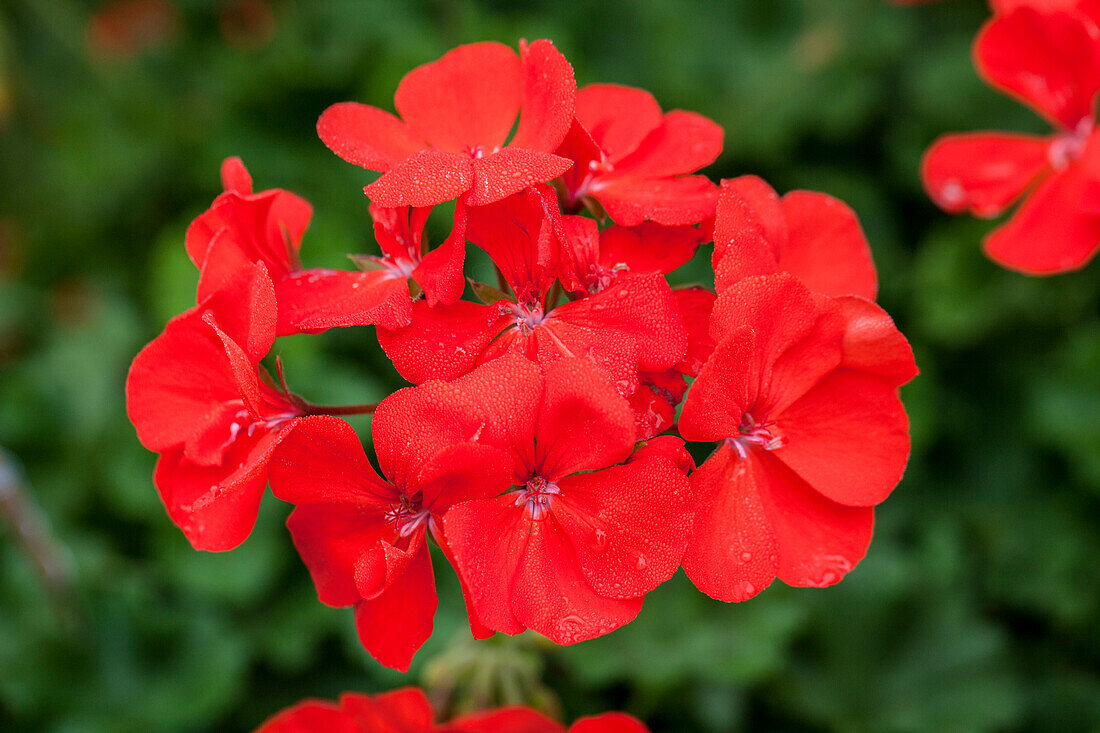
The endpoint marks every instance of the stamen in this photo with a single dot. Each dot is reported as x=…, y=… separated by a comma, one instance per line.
x=751, y=433
x=1070, y=146
x=407, y=517
x=536, y=496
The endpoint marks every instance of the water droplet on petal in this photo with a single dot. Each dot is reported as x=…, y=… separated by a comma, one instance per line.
x=642, y=562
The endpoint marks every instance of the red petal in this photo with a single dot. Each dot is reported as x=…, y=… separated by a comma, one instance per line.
x=427, y=178
x=872, y=343
x=463, y=472
x=323, y=462
x=826, y=248
x=487, y=539
x=551, y=595
x=579, y=147
x=648, y=247
x=549, y=97
x=510, y=392
x=518, y=234
x=511, y=170
x=367, y=136
x=848, y=437
x=716, y=403
x=396, y=623
x=1050, y=61
x=608, y=723
x=319, y=299
x=819, y=541
x=579, y=238
x=215, y=507
x=667, y=446
x=617, y=117
x=683, y=143
x=583, y=423
x=440, y=271
x=235, y=176
x=733, y=552
x=443, y=342
x=799, y=336
x=468, y=98
x=654, y=402
x=695, y=306
x=505, y=720
x=1054, y=230
x=982, y=172
x=742, y=245
x=634, y=309
x=310, y=716
x=245, y=310
x=406, y=706
x=332, y=539
x=413, y=424
x=628, y=525
x=178, y=383
x=669, y=201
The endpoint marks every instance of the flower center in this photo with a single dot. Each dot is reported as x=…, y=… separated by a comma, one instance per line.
x=407, y=516
x=1069, y=146
x=536, y=496
x=527, y=317
x=752, y=433
x=271, y=423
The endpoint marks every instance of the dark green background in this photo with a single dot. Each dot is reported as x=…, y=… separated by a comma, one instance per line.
x=976, y=608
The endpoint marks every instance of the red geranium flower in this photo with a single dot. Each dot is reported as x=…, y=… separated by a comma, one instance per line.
x=634, y=160
x=457, y=113
x=584, y=533
x=801, y=392
x=197, y=396
x=408, y=710
x=362, y=537
x=241, y=228
x=629, y=326
x=1050, y=61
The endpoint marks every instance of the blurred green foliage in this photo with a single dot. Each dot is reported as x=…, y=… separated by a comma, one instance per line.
x=976, y=607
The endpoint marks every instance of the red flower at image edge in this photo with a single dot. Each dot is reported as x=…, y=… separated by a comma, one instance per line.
x=456, y=115
x=198, y=397
x=1050, y=61
x=634, y=160
x=587, y=528
x=241, y=228
x=408, y=710
x=801, y=393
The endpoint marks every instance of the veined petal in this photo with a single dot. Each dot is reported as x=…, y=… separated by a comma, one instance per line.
x=670, y=201
x=331, y=540
x=315, y=300
x=982, y=172
x=468, y=98
x=427, y=178
x=510, y=170
x=549, y=97
x=443, y=342
x=1049, y=60
x=628, y=525
x=440, y=271
x=367, y=136
x=617, y=117
x=395, y=624
x=683, y=143
x=733, y=553
x=826, y=248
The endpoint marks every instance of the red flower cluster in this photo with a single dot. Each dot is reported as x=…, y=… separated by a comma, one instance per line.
x=408, y=710
x=1046, y=53
x=531, y=450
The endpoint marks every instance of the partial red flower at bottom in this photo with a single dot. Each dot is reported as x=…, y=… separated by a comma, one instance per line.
x=408, y=710
x=801, y=393
x=198, y=396
x=1050, y=60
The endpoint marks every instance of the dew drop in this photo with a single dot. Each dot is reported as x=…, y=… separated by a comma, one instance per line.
x=642, y=563
x=747, y=589
x=746, y=556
